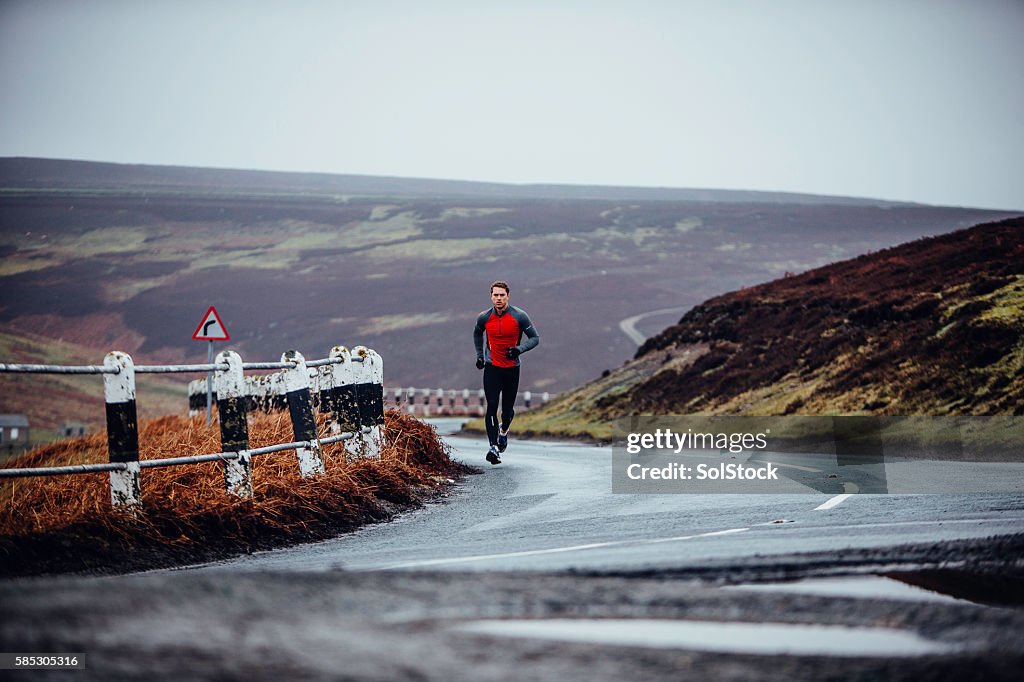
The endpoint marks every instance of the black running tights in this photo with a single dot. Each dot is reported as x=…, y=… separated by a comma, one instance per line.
x=503, y=382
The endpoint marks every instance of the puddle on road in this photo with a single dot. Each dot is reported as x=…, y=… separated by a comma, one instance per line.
x=862, y=587
x=738, y=638
x=991, y=590
x=944, y=586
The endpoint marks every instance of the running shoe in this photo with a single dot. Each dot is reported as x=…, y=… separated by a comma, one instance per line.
x=492, y=455
x=502, y=440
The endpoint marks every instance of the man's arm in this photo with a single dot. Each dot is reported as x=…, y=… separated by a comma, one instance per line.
x=478, y=336
x=529, y=331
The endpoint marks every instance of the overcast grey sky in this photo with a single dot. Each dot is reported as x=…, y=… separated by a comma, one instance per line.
x=898, y=99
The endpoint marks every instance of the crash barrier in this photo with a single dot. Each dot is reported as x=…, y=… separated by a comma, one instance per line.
x=427, y=402
x=349, y=391
x=359, y=369
x=267, y=393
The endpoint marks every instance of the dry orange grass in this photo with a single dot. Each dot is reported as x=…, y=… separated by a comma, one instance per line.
x=67, y=523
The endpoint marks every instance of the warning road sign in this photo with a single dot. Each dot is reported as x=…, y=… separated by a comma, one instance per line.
x=211, y=328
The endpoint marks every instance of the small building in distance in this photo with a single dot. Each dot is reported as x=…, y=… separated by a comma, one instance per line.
x=71, y=429
x=13, y=433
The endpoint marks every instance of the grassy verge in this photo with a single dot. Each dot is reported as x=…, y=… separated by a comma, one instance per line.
x=559, y=427
x=63, y=524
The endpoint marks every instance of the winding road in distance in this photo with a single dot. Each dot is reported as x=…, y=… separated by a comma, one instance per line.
x=628, y=325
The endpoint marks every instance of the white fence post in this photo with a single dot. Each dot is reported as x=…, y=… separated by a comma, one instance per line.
x=362, y=378
x=296, y=383
x=122, y=430
x=375, y=402
x=345, y=415
x=234, y=428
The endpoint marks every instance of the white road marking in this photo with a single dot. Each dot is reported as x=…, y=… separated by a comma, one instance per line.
x=796, y=466
x=838, y=499
x=690, y=537
x=554, y=550
x=721, y=532
x=850, y=488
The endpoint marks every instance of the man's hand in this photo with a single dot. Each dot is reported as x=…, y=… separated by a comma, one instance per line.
x=513, y=353
x=479, y=363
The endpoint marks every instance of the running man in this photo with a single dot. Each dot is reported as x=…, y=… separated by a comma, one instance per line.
x=505, y=326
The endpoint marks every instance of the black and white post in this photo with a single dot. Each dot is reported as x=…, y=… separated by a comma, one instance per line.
x=362, y=377
x=345, y=403
x=296, y=383
x=234, y=427
x=122, y=430
x=373, y=365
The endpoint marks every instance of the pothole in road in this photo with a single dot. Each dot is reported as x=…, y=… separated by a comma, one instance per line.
x=861, y=587
x=946, y=586
x=738, y=638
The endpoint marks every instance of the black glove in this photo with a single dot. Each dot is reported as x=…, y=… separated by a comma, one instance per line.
x=479, y=363
x=513, y=353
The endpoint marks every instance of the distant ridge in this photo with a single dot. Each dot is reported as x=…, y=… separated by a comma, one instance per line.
x=36, y=173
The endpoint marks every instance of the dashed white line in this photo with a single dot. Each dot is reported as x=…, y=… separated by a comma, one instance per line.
x=828, y=504
x=553, y=550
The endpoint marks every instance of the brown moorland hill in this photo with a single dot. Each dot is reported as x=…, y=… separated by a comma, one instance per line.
x=97, y=257
x=931, y=327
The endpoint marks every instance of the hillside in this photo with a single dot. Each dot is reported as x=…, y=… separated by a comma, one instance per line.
x=931, y=327
x=95, y=257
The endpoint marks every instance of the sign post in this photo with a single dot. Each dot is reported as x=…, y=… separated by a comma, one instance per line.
x=211, y=328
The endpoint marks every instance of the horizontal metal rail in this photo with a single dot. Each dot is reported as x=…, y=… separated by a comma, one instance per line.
x=58, y=471
x=175, y=461
x=171, y=369
x=160, y=369
x=59, y=369
x=325, y=361
x=267, y=365
x=211, y=367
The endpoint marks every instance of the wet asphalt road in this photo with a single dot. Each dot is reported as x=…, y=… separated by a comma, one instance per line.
x=542, y=537
x=549, y=507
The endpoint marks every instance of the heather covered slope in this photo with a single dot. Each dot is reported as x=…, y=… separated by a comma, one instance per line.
x=929, y=327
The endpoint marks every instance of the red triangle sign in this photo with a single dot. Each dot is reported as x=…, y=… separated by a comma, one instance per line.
x=211, y=328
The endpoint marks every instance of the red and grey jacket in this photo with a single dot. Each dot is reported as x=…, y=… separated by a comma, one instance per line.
x=503, y=332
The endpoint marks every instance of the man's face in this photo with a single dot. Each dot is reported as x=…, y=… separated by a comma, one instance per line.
x=499, y=297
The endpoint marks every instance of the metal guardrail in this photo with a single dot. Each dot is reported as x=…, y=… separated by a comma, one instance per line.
x=427, y=402
x=174, y=461
x=58, y=369
x=158, y=369
x=350, y=390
